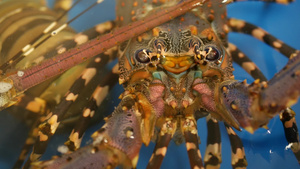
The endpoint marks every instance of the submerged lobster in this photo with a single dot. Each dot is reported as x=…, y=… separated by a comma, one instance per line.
x=174, y=74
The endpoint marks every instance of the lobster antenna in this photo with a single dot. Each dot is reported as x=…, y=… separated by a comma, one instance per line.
x=29, y=48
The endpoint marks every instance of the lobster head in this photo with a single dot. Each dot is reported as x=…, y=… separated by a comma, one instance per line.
x=183, y=66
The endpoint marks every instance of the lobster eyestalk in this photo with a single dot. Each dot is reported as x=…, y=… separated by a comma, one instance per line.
x=13, y=85
x=255, y=104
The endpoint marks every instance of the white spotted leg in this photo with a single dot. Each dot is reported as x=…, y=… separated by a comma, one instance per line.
x=237, y=25
x=92, y=106
x=288, y=120
x=163, y=140
x=287, y=116
x=213, y=156
x=189, y=128
x=117, y=142
x=49, y=126
x=238, y=157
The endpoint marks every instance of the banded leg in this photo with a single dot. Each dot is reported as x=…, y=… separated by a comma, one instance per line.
x=287, y=116
x=189, y=127
x=162, y=143
x=243, y=60
x=33, y=104
x=38, y=105
x=38, y=108
x=117, y=142
x=238, y=158
x=212, y=157
x=241, y=26
x=94, y=102
x=48, y=128
x=288, y=120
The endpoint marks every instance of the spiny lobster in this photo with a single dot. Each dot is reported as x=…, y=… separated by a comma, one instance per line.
x=167, y=65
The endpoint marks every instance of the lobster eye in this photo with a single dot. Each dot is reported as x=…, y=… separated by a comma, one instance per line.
x=212, y=53
x=142, y=55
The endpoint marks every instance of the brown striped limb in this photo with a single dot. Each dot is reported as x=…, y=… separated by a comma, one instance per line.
x=238, y=158
x=241, y=26
x=189, y=127
x=245, y=62
x=33, y=104
x=255, y=104
x=213, y=156
x=164, y=138
x=94, y=102
x=287, y=116
x=78, y=39
x=37, y=106
x=288, y=120
x=49, y=126
x=16, y=83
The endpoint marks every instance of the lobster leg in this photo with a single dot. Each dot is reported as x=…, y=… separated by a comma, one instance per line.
x=287, y=116
x=163, y=141
x=48, y=128
x=259, y=102
x=242, y=60
x=33, y=104
x=241, y=26
x=212, y=158
x=238, y=158
x=109, y=81
x=189, y=127
x=117, y=142
x=38, y=105
x=94, y=102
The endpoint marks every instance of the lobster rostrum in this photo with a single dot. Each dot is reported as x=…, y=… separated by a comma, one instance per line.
x=173, y=75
